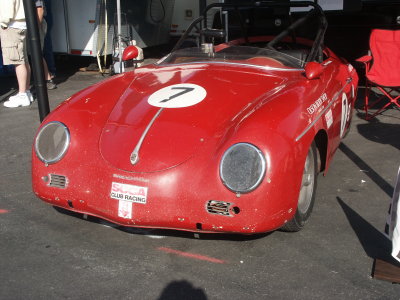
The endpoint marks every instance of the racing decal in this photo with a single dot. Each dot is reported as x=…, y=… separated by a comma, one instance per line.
x=329, y=118
x=178, y=95
x=125, y=209
x=345, y=114
x=317, y=104
x=128, y=192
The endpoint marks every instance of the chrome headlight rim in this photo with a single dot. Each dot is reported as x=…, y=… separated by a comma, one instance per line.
x=63, y=150
x=262, y=173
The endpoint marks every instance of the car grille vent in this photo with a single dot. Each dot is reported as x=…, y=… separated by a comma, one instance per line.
x=218, y=207
x=59, y=181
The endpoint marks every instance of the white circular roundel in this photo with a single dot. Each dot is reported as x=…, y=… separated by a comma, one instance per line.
x=345, y=114
x=178, y=95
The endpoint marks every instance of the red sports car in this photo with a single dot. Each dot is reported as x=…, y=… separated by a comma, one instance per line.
x=225, y=136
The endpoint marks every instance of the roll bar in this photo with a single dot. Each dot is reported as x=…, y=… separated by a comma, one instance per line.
x=201, y=22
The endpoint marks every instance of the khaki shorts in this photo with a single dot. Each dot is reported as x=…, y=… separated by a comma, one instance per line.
x=13, y=46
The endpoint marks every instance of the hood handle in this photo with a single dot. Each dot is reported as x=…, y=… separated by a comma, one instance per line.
x=135, y=154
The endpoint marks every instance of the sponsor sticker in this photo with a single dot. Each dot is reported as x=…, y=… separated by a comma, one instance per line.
x=125, y=209
x=128, y=192
x=317, y=104
x=178, y=95
x=329, y=118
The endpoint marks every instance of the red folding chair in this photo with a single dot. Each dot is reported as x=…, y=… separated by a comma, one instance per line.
x=382, y=70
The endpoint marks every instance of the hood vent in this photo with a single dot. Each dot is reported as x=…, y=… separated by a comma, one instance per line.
x=58, y=181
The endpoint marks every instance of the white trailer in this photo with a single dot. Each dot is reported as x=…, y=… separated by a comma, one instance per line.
x=88, y=27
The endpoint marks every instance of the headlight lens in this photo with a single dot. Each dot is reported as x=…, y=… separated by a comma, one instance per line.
x=52, y=142
x=242, y=167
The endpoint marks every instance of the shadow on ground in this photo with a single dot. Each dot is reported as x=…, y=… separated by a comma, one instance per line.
x=179, y=290
x=371, y=173
x=375, y=244
x=379, y=132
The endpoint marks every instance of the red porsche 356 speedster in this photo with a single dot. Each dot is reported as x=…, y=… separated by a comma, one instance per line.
x=225, y=136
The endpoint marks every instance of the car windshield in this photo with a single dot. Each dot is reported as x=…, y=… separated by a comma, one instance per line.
x=282, y=35
x=244, y=55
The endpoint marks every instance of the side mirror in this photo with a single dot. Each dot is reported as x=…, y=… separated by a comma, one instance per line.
x=130, y=52
x=313, y=70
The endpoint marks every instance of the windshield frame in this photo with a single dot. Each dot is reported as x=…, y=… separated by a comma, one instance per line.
x=200, y=24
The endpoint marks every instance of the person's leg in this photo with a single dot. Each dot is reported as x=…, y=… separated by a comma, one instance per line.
x=47, y=75
x=48, y=45
x=24, y=97
x=15, y=49
x=49, y=81
x=28, y=78
x=23, y=72
x=48, y=55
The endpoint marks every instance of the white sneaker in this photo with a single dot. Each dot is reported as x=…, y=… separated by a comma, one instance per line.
x=20, y=99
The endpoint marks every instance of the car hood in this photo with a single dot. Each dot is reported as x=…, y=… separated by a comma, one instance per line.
x=215, y=98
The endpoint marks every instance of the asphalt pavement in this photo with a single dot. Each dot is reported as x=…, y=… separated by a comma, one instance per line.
x=50, y=254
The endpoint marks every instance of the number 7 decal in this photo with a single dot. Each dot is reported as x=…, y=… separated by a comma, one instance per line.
x=185, y=90
x=178, y=95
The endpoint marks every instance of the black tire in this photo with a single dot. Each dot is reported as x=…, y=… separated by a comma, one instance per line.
x=307, y=192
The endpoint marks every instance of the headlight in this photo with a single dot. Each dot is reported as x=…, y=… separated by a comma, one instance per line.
x=52, y=142
x=242, y=167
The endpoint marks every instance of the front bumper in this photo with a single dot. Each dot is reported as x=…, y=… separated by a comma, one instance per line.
x=171, y=199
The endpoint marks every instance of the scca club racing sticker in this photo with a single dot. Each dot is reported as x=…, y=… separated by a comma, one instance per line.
x=128, y=192
x=178, y=95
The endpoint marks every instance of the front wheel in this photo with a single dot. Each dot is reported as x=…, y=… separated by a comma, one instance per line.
x=307, y=192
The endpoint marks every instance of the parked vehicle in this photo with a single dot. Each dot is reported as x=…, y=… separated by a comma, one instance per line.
x=221, y=137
